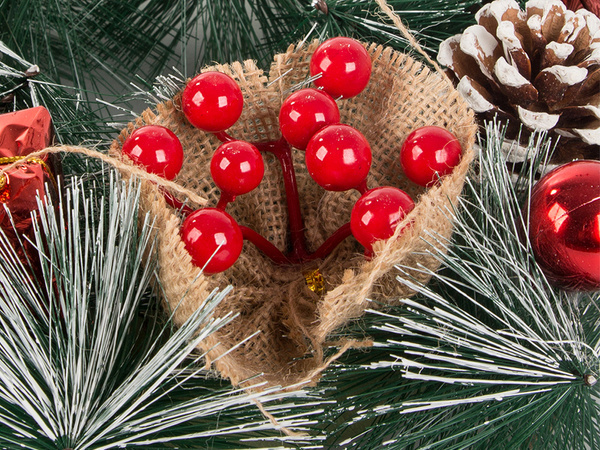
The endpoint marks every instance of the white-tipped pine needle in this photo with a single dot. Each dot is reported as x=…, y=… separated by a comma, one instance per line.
x=489, y=341
x=89, y=360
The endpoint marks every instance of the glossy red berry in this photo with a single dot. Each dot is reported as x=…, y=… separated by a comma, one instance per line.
x=377, y=213
x=237, y=167
x=338, y=158
x=157, y=149
x=213, y=239
x=429, y=153
x=344, y=65
x=304, y=113
x=212, y=101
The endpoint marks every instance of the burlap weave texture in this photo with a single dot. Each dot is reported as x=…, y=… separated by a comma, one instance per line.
x=294, y=322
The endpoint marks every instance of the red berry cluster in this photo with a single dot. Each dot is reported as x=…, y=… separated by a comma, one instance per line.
x=338, y=158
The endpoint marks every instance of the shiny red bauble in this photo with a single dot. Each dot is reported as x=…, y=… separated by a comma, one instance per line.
x=338, y=158
x=429, y=153
x=377, y=213
x=344, y=66
x=237, y=167
x=304, y=113
x=157, y=149
x=213, y=239
x=212, y=101
x=564, y=225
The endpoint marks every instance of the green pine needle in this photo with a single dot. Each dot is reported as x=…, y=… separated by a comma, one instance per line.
x=431, y=22
x=489, y=355
x=88, y=359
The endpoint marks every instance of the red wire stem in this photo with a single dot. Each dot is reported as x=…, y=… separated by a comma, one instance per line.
x=332, y=242
x=282, y=150
x=264, y=246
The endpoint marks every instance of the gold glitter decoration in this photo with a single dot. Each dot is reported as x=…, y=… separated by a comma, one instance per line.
x=315, y=281
x=4, y=189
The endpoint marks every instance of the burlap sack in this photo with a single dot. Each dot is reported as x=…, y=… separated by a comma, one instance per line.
x=294, y=322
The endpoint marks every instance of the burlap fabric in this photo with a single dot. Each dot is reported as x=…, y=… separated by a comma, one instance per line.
x=293, y=321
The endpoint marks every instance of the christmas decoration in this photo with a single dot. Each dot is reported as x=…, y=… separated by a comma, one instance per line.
x=304, y=113
x=237, y=168
x=21, y=187
x=489, y=355
x=213, y=239
x=538, y=67
x=338, y=158
x=564, y=225
x=157, y=149
x=341, y=66
x=428, y=154
x=377, y=213
x=274, y=294
x=212, y=101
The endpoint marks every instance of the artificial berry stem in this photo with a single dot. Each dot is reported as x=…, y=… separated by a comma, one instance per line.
x=224, y=200
x=223, y=137
x=176, y=204
x=264, y=246
x=362, y=187
x=332, y=242
x=282, y=150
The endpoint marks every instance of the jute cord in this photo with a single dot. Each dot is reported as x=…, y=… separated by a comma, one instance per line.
x=116, y=163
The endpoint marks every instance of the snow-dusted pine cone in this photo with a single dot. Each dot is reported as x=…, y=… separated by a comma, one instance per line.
x=539, y=67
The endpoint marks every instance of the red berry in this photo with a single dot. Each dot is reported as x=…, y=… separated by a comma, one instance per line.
x=429, y=153
x=157, y=149
x=377, y=213
x=344, y=65
x=213, y=239
x=304, y=113
x=212, y=101
x=237, y=167
x=338, y=158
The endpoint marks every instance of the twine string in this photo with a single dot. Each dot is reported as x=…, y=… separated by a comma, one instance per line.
x=386, y=8
x=122, y=166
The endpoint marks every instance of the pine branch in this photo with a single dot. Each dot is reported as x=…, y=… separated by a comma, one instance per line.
x=487, y=344
x=88, y=359
x=290, y=21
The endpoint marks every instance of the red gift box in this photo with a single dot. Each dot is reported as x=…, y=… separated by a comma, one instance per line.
x=22, y=133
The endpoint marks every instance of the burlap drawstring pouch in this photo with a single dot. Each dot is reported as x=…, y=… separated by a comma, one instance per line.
x=294, y=320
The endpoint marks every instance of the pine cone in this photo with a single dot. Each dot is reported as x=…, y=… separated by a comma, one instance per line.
x=539, y=68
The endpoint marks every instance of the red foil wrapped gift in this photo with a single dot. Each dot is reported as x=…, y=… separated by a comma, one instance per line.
x=22, y=133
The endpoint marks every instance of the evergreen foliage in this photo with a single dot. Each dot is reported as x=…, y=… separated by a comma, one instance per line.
x=89, y=359
x=488, y=355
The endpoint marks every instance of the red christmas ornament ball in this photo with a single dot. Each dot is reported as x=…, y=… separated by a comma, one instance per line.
x=338, y=157
x=212, y=101
x=564, y=225
x=237, y=167
x=344, y=65
x=213, y=239
x=157, y=149
x=304, y=113
x=377, y=213
x=429, y=153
